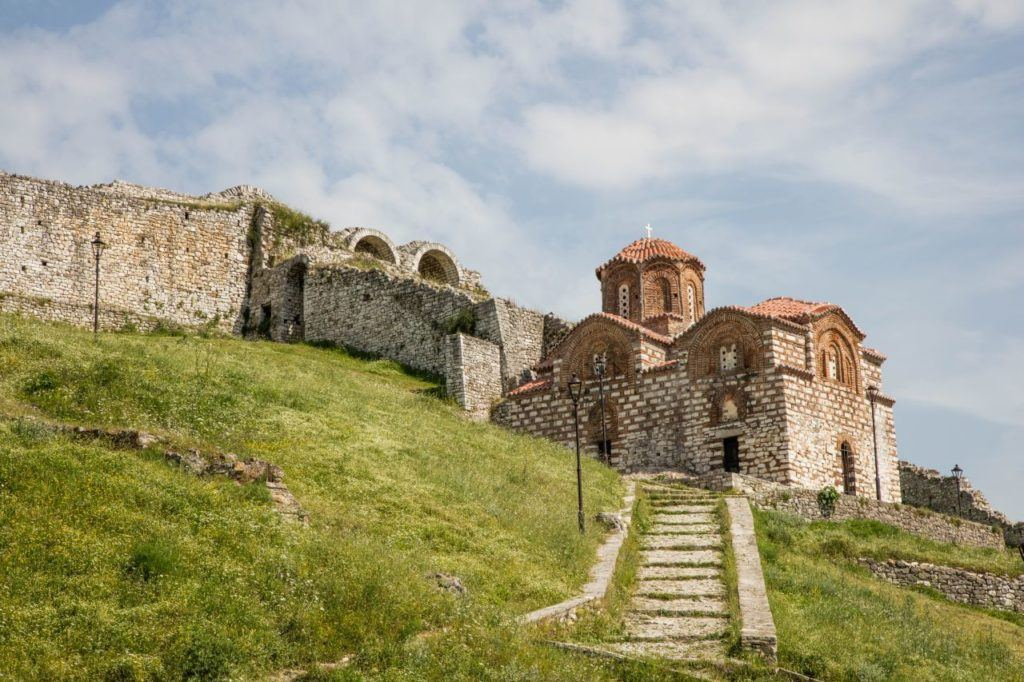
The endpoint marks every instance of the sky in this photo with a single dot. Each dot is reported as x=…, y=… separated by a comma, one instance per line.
x=869, y=154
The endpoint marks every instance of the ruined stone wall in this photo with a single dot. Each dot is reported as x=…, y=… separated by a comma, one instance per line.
x=276, y=302
x=170, y=257
x=518, y=331
x=960, y=585
x=369, y=311
x=803, y=502
x=472, y=373
x=929, y=489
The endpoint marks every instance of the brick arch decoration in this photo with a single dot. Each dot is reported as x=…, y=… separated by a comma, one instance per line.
x=612, y=279
x=373, y=243
x=832, y=333
x=728, y=327
x=718, y=398
x=660, y=289
x=611, y=417
x=598, y=337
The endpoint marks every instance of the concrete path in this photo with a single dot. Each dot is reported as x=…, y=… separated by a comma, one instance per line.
x=679, y=609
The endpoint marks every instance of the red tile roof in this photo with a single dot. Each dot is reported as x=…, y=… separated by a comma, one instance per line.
x=643, y=250
x=667, y=364
x=801, y=312
x=629, y=324
x=791, y=308
x=531, y=386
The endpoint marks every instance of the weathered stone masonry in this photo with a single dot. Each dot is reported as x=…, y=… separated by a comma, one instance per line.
x=239, y=261
x=960, y=585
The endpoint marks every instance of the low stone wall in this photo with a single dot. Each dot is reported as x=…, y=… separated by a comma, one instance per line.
x=804, y=503
x=757, y=631
x=472, y=373
x=959, y=585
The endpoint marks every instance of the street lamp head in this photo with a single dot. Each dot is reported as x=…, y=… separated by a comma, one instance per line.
x=872, y=392
x=575, y=389
x=958, y=473
x=98, y=245
x=600, y=364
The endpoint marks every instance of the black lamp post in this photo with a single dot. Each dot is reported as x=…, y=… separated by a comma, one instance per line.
x=958, y=473
x=575, y=393
x=873, y=396
x=600, y=364
x=98, y=246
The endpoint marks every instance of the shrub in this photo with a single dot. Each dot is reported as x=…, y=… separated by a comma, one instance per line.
x=152, y=559
x=827, y=498
x=462, y=322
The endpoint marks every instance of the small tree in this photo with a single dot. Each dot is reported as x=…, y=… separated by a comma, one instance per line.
x=827, y=498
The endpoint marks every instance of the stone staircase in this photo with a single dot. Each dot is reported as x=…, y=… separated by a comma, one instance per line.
x=679, y=609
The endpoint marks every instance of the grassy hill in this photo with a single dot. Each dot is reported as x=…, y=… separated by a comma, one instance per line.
x=113, y=563
x=837, y=622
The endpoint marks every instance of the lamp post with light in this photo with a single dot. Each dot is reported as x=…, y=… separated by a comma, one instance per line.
x=575, y=393
x=600, y=365
x=98, y=247
x=958, y=473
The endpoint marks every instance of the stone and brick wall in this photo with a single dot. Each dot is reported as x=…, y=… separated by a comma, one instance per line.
x=960, y=585
x=929, y=489
x=803, y=502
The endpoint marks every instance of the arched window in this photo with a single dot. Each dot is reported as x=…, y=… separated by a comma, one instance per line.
x=849, y=472
x=691, y=302
x=728, y=358
x=624, y=300
x=665, y=291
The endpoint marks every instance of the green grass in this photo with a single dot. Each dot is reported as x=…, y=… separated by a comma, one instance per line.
x=837, y=622
x=113, y=559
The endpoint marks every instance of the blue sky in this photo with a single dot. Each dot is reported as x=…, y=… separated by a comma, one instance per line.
x=865, y=153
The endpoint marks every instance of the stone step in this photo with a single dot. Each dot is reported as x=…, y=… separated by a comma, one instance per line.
x=683, y=519
x=685, y=509
x=694, y=587
x=670, y=557
x=700, y=606
x=682, y=541
x=644, y=627
x=676, y=572
x=682, y=529
x=686, y=650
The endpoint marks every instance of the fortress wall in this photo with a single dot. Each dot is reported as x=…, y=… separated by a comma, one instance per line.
x=170, y=257
x=472, y=373
x=929, y=489
x=518, y=331
x=370, y=311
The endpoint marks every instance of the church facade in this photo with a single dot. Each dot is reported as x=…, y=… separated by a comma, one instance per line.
x=783, y=390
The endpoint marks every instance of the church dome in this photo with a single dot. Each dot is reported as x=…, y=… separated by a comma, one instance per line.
x=648, y=249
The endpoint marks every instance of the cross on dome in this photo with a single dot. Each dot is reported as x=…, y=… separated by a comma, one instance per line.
x=648, y=228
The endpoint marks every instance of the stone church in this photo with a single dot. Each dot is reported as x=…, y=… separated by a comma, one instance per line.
x=783, y=390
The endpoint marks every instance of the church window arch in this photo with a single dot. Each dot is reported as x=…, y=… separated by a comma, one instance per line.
x=848, y=464
x=665, y=294
x=624, y=300
x=729, y=357
x=691, y=301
